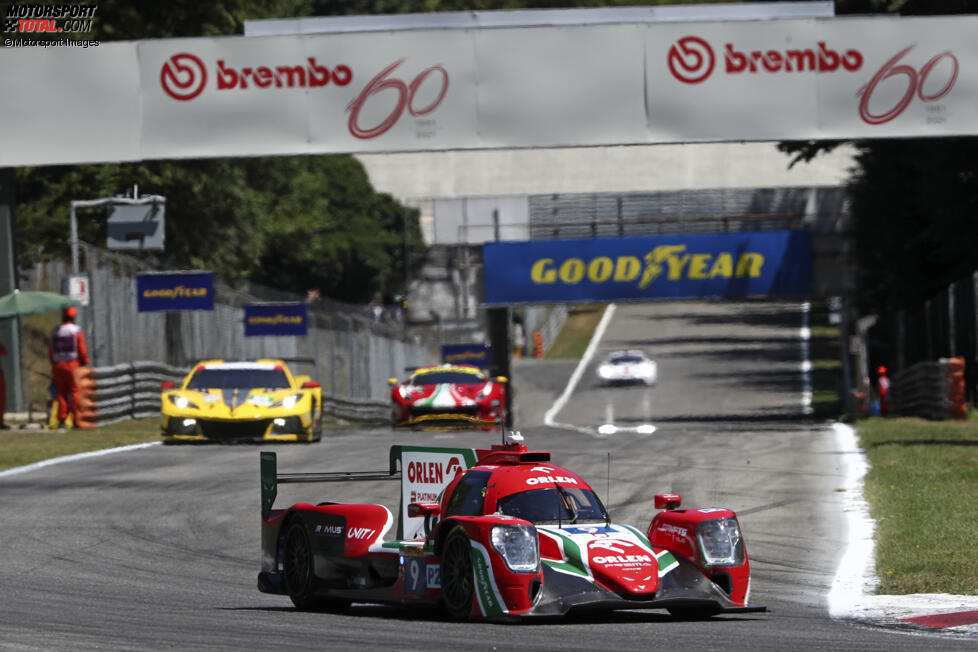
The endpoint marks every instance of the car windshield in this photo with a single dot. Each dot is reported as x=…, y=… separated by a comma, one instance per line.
x=627, y=359
x=238, y=379
x=554, y=505
x=454, y=377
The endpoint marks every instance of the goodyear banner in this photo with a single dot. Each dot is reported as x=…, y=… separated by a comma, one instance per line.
x=477, y=354
x=162, y=291
x=651, y=267
x=275, y=319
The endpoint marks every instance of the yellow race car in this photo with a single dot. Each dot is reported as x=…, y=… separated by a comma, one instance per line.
x=242, y=401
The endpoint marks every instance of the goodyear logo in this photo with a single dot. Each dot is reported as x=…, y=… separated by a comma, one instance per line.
x=671, y=262
x=168, y=291
x=275, y=319
x=175, y=293
x=728, y=265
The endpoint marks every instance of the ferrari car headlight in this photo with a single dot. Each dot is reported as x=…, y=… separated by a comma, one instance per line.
x=721, y=543
x=605, y=372
x=287, y=402
x=518, y=546
x=182, y=402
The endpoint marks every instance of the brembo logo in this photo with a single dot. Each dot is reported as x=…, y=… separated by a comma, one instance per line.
x=692, y=60
x=184, y=76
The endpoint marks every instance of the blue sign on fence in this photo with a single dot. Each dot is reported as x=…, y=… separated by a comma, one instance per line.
x=276, y=319
x=477, y=354
x=160, y=291
x=682, y=266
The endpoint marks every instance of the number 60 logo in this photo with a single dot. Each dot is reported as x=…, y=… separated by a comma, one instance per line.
x=915, y=85
x=405, y=99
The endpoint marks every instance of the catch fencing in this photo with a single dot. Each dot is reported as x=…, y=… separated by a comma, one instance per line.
x=353, y=355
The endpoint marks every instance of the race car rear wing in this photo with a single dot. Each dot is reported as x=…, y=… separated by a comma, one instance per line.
x=271, y=478
x=424, y=471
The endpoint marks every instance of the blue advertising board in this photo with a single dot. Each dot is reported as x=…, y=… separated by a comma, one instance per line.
x=276, y=319
x=682, y=266
x=477, y=354
x=164, y=291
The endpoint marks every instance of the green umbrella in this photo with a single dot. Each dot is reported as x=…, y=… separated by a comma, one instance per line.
x=20, y=303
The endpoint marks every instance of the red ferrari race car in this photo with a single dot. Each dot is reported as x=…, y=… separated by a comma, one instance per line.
x=447, y=396
x=499, y=534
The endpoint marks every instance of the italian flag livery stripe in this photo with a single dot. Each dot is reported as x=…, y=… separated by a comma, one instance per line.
x=490, y=602
x=667, y=562
x=572, y=541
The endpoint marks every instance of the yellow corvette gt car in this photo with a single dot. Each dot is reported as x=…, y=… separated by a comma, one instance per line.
x=242, y=401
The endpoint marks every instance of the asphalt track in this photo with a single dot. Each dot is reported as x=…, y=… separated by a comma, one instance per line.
x=157, y=549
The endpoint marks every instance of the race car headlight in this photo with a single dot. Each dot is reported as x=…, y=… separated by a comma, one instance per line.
x=720, y=542
x=288, y=401
x=182, y=402
x=518, y=546
x=605, y=372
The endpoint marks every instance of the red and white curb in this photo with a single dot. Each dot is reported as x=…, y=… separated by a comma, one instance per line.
x=853, y=597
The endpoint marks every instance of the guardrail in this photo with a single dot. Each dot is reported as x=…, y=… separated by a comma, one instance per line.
x=132, y=391
x=931, y=390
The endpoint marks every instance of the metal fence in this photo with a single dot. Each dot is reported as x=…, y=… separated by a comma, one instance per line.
x=586, y=215
x=354, y=355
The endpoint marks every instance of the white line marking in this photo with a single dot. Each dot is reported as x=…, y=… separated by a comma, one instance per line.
x=592, y=346
x=856, y=574
x=72, y=458
x=806, y=359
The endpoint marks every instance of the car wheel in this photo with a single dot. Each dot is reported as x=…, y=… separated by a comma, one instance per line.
x=457, y=578
x=299, y=575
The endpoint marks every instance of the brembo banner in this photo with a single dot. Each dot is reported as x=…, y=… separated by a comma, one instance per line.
x=416, y=90
x=727, y=265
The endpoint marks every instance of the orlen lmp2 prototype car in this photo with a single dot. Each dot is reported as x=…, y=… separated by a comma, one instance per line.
x=448, y=395
x=629, y=366
x=497, y=534
x=242, y=401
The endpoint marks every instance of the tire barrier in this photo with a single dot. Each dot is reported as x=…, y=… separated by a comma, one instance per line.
x=87, y=412
x=931, y=390
x=132, y=391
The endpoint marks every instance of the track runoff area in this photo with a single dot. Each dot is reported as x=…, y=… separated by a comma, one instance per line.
x=669, y=336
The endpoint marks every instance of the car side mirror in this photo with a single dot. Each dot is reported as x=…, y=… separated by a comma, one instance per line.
x=668, y=501
x=427, y=510
x=392, y=381
x=167, y=384
x=310, y=384
x=430, y=511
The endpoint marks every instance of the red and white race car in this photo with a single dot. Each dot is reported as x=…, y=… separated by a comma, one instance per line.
x=446, y=396
x=498, y=534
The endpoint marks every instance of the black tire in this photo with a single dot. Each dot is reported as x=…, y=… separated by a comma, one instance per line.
x=299, y=575
x=457, y=577
x=693, y=613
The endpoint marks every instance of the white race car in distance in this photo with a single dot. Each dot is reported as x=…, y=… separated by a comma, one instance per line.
x=628, y=366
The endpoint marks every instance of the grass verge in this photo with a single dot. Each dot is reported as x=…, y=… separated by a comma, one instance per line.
x=825, y=354
x=574, y=337
x=922, y=487
x=21, y=447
